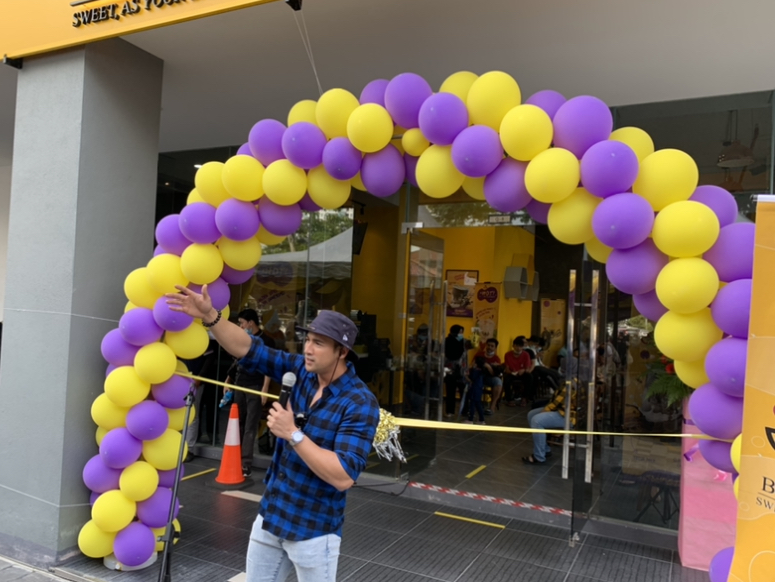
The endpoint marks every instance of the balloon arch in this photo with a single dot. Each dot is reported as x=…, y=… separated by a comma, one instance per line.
x=671, y=244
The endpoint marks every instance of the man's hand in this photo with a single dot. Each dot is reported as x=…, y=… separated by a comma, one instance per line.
x=192, y=303
x=281, y=422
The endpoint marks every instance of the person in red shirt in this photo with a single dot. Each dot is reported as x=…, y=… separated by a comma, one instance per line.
x=517, y=373
x=492, y=372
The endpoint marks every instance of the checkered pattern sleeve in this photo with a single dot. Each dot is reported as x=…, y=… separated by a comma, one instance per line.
x=261, y=359
x=356, y=433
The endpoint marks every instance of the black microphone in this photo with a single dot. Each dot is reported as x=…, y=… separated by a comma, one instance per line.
x=289, y=381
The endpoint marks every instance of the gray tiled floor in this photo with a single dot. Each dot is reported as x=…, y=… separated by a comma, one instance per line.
x=391, y=538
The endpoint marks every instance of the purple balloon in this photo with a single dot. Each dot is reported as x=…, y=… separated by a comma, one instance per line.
x=235, y=277
x=94, y=496
x=732, y=307
x=98, y=477
x=477, y=151
x=172, y=393
x=236, y=219
x=608, y=168
x=538, y=211
x=265, y=141
x=732, y=253
x=279, y=220
x=404, y=95
x=410, y=165
x=649, y=306
x=717, y=454
x=307, y=204
x=721, y=202
x=504, y=188
x=147, y=420
x=582, y=122
x=119, y=448
x=341, y=159
x=244, y=150
x=169, y=320
x=160, y=250
x=635, y=270
x=442, y=117
x=154, y=511
x=134, y=545
x=374, y=92
x=110, y=368
x=169, y=236
x=721, y=564
x=197, y=223
x=716, y=413
x=167, y=478
x=116, y=350
x=548, y=100
x=139, y=328
x=383, y=172
x=725, y=366
x=219, y=291
x=303, y=144
x=623, y=220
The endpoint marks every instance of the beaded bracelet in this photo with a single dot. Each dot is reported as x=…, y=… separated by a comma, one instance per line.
x=216, y=320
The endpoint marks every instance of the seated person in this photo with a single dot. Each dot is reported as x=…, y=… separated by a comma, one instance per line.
x=492, y=372
x=476, y=377
x=516, y=376
x=551, y=416
x=541, y=373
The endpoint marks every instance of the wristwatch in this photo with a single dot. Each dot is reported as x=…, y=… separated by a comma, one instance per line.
x=296, y=437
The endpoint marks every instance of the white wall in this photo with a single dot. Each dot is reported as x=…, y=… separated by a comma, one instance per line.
x=5, y=203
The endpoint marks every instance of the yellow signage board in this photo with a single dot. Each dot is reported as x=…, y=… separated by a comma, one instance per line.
x=30, y=27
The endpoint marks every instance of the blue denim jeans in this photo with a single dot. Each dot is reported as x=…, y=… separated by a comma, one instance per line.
x=270, y=558
x=537, y=418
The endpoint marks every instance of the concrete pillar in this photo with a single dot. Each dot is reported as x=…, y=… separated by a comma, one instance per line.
x=82, y=216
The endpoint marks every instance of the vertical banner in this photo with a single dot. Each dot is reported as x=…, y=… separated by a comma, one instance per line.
x=487, y=298
x=755, y=545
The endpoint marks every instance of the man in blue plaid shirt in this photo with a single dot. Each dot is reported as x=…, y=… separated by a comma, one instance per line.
x=302, y=510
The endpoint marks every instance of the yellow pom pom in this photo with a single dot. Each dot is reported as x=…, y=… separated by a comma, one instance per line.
x=125, y=388
x=209, y=183
x=552, y=175
x=490, y=97
x=113, y=511
x=243, y=178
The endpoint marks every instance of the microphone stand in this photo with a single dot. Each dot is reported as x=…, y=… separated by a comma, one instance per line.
x=170, y=535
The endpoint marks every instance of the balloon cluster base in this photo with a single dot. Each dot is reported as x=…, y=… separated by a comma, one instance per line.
x=111, y=563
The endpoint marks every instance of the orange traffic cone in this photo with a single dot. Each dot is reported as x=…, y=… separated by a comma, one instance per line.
x=230, y=473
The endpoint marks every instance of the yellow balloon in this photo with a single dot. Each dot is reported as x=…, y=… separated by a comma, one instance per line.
x=113, y=511
x=325, y=191
x=474, y=187
x=333, y=110
x=180, y=366
x=398, y=136
x=687, y=285
x=414, y=142
x=666, y=176
x=570, y=221
x=155, y=363
x=100, y=434
x=357, y=183
x=209, y=183
x=162, y=453
x=160, y=531
x=267, y=238
x=225, y=313
x=178, y=417
x=125, y=388
x=639, y=141
x=436, y=174
x=241, y=255
x=106, y=414
x=526, y=131
x=139, y=481
x=284, y=183
x=685, y=229
x=598, y=250
x=194, y=197
x=130, y=306
x=691, y=373
x=164, y=273
x=189, y=343
x=736, y=452
x=490, y=97
x=370, y=127
x=243, y=178
x=686, y=337
x=552, y=175
x=303, y=111
x=94, y=542
x=459, y=84
x=201, y=264
x=138, y=289
x=736, y=487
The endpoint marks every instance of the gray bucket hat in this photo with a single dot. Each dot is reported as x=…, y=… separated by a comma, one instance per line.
x=336, y=326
